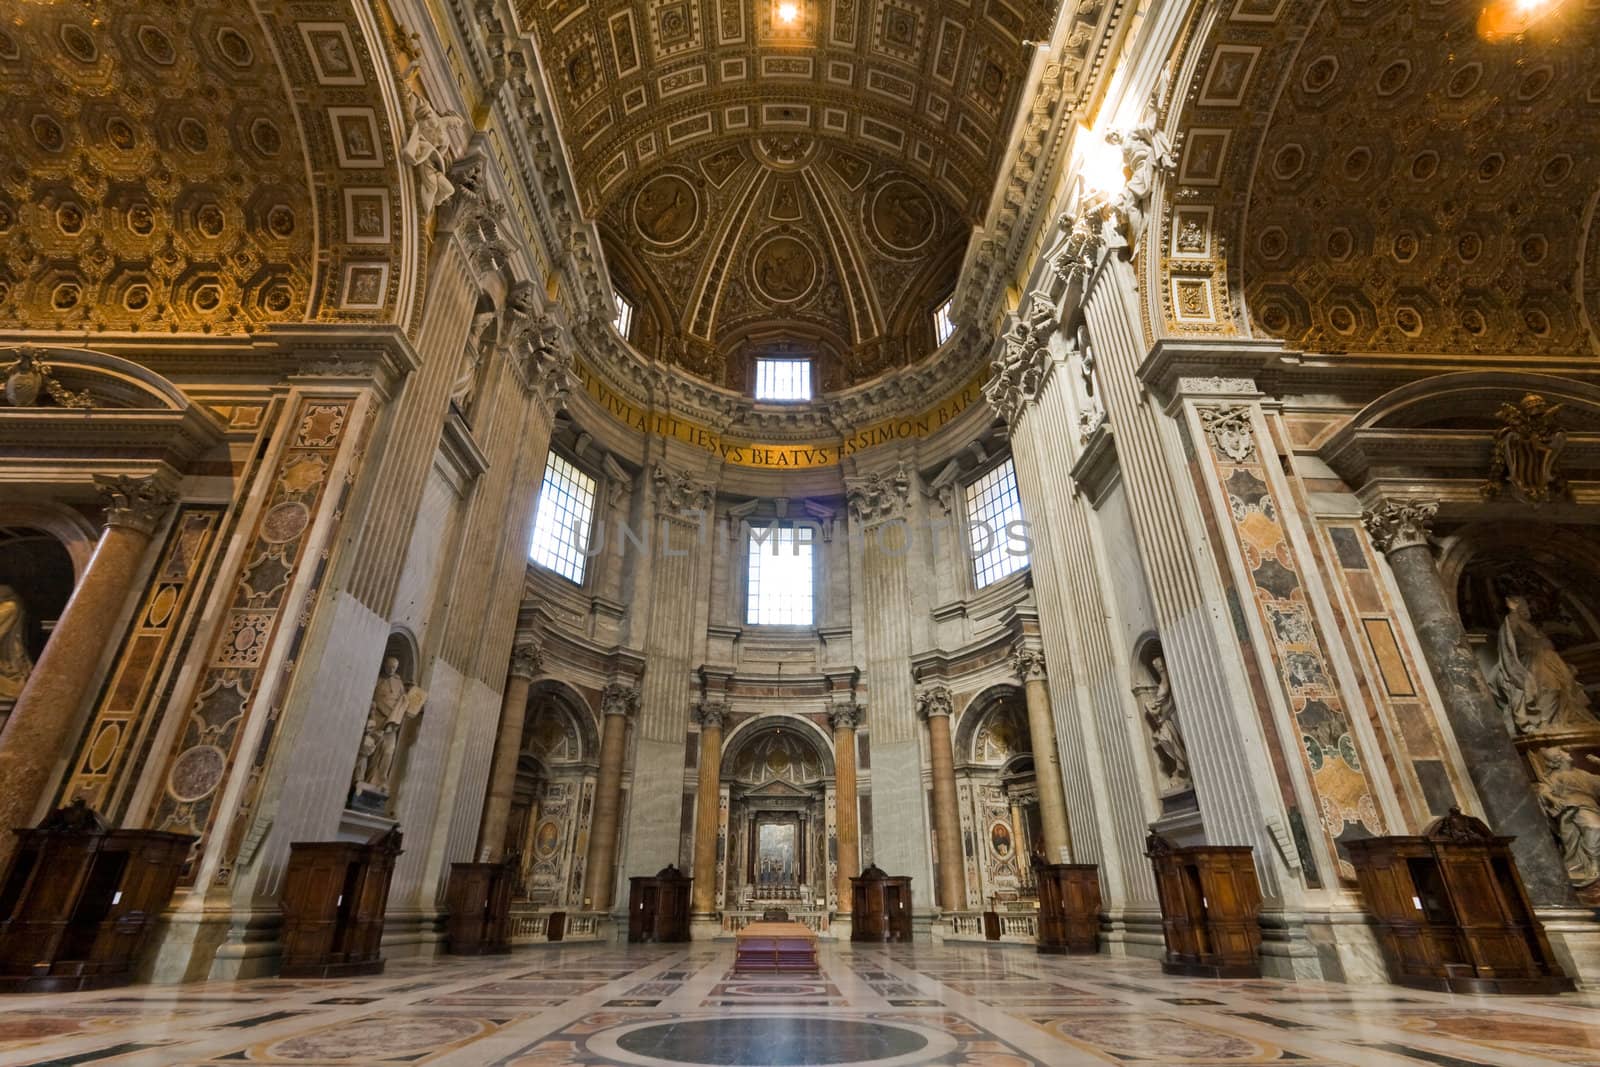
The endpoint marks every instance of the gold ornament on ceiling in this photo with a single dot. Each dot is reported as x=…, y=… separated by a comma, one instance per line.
x=1417, y=188
x=158, y=170
x=800, y=181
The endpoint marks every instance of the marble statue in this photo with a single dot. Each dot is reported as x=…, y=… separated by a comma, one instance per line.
x=393, y=702
x=1161, y=713
x=425, y=150
x=1146, y=153
x=480, y=340
x=1571, y=797
x=15, y=663
x=1535, y=687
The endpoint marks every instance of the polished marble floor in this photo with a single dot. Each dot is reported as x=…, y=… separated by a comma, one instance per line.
x=654, y=1006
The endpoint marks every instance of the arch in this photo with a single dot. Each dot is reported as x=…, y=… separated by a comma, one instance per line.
x=78, y=536
x=978, y=709
x=1473, y=398
x=750, y=731
x=571, y=704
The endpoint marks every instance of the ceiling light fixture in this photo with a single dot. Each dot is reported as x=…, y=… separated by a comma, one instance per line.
x=1502, y=19
x=788, y=13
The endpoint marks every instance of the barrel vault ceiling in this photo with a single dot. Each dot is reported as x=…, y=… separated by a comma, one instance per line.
x=768, y=186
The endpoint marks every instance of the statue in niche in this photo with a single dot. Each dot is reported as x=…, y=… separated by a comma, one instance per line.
x=393, y=703
x=1571, y=797
x=1161, y=716
x=425, y=149
x=15, y=663
x=1535, y=687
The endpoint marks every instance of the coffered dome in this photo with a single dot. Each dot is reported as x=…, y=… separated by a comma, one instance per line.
x=803, y=186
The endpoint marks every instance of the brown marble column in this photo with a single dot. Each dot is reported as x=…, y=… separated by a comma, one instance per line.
x=1400, y=530
x=844, y=718
x=1029, y=666
x=36, y=734
x=707, y=809
x=525, y=663
x=618, y=704
x=935, y=706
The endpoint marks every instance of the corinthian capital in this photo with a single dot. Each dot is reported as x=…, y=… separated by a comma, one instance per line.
x=1396, y=524
x=935, y=701
x=679, y=491
x=1027, y=663
x=619, y=699
x=134, y=503
x=846, y=716
x=711, y=714
x=526, y=660
x=880, y=495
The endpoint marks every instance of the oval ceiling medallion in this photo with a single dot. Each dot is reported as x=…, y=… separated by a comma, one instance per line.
x=666, y=210
x=783, y=268
x=902, y=215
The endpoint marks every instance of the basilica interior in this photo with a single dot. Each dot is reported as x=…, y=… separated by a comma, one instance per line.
x=789, y=532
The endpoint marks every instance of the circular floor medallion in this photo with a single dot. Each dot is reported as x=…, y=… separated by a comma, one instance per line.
x=773, y=1041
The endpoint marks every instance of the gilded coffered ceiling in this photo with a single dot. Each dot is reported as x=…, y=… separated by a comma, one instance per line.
x=154, y=168
x=1416, y=188
x=802, y=186
x=1449, y=178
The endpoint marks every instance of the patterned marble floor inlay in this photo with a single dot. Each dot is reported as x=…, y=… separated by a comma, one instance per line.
x=896, y=1006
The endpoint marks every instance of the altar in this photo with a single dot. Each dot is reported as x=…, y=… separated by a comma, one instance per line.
x=781, y=945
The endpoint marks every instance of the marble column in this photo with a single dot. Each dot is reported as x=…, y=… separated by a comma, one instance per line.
x=1028, y=663
x=844, y=718
x=935, y=706
x=525, y=662
x=707, y=814
x=1400, y=530
x=618, y=704
x=36, y=735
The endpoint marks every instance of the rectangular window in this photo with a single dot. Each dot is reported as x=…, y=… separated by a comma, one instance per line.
x=780, y=576
x=562, y=522
x=992, y=506
x=624, y=320
x=943, y=327
x=783, y=379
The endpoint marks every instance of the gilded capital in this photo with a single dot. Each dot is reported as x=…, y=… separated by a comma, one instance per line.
x=935, y=701
x=619, y=699
x=134, y=503
x=527, y=660
x=1397, y=524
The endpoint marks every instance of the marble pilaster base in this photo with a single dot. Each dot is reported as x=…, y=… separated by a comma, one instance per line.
x=1574, y=935
x=413, y=933
x=1133, y=932
x=706, y=928
x=1286, y=950
x=1347, y=947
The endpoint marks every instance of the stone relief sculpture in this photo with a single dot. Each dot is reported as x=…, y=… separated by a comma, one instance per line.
x=1537, y=689
x=1161, y=718
x=15, y=663
x=393, y=702
x=1571, y=797
x=425, y=150
x=1527, y=448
